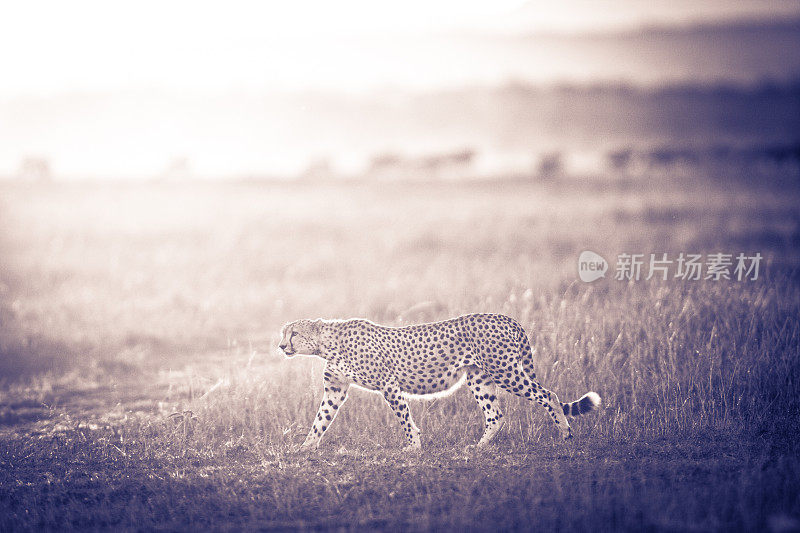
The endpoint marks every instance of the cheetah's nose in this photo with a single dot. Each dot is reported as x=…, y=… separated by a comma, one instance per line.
x=282, y=346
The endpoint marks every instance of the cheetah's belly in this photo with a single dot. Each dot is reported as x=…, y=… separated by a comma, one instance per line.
x=436, y=389
x=432, y=373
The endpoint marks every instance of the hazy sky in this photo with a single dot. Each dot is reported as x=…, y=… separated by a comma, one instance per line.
x=121, y=89
x=51, y=47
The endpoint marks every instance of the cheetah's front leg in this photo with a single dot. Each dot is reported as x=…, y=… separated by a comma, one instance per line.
x=394, y=397
x=333, y=397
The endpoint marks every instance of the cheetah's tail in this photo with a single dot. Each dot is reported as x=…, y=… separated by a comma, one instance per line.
x=586, y=404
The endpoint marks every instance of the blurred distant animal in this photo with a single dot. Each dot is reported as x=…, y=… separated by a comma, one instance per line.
x=488, y=351
x=35, y=168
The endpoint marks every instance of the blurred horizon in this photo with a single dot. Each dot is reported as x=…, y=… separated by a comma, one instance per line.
x=188, y=92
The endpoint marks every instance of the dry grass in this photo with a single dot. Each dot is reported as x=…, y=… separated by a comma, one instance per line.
x=123, y=304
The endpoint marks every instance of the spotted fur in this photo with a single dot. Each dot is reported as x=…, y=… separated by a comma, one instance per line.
x=487, y=351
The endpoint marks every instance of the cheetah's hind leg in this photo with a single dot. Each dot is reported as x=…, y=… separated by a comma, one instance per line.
x=485, y=392
x=516, y=381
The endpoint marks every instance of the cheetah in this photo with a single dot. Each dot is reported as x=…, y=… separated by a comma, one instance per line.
x=489, y=352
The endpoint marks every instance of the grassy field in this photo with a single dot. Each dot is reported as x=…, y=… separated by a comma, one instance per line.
x=141, y=388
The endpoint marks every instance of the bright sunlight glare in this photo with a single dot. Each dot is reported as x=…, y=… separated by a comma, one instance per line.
x=95, y=45
x=47, y=47
x=180, y=87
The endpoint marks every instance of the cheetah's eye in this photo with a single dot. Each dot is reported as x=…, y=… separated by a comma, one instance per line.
x=294, y=333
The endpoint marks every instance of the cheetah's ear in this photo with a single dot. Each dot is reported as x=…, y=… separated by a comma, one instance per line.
x=286, y=327
x=316, y=326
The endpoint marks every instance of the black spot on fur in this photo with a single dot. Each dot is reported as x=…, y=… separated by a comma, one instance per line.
x=585, y=404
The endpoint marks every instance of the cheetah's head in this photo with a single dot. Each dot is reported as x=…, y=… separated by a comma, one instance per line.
x=300, y=337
